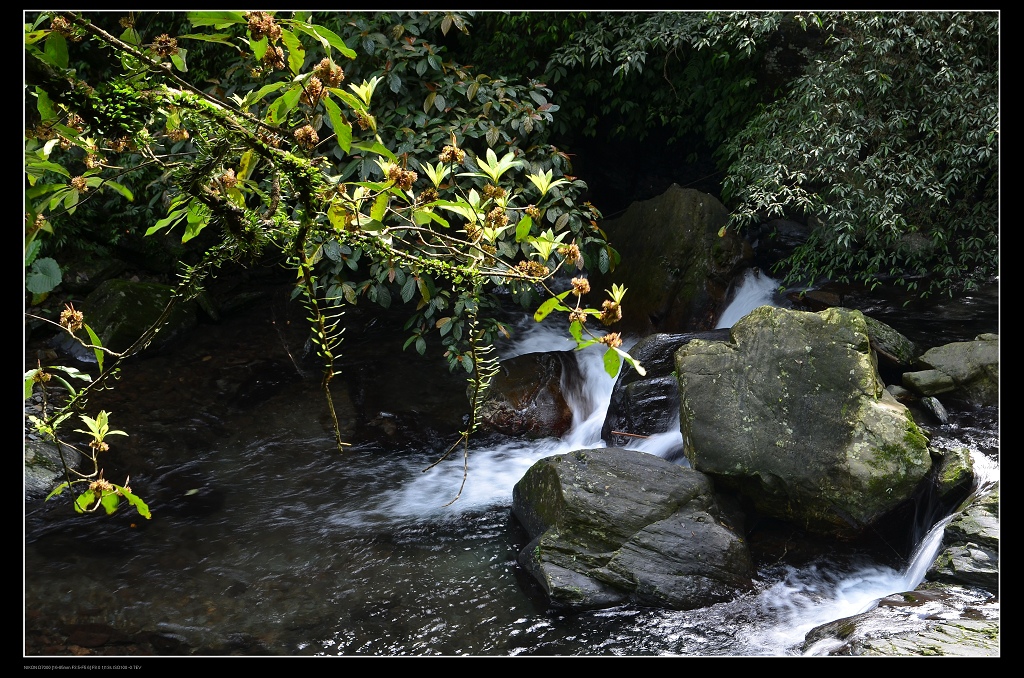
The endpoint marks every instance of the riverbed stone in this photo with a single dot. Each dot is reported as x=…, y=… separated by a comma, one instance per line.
x=791, y=414
x=611, y=525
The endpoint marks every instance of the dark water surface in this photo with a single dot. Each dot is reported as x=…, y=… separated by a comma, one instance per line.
x=265, y=539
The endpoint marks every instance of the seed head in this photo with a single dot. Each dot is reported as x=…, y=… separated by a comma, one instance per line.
x=165, y=46
x=329, y=73
x=610, y=312
x=274, y=58
x=452, y=154
x=306, y=137
x=262, y=24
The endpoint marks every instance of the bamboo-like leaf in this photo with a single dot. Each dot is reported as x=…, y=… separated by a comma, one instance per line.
x=95, y=340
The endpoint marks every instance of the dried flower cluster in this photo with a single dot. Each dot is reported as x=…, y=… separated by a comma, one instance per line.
x=497, y=218
x=307, y=137
x=313, y=92
x=262, y=24
x=580, y=286
x=165, y=46
x=451, y=154
x=228, y=179
x=533, y=211
x=70, y=319
x=64, y=27
x=79, y=184
x=612, y=339
x=494, y=192
x=571, y=254
x=610, y=312
x=532, y=268
x=120, y=145
x=404, y=179
x=427, y=196
x=330, y=73
x=274, y=58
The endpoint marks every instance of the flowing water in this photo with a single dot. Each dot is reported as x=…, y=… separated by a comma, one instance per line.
x=281, y=545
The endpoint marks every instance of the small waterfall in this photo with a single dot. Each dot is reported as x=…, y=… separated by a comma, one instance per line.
x=756, y=289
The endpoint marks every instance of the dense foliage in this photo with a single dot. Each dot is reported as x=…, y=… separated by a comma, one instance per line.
x=880, y=129
x=433, y=198
x=888, y=145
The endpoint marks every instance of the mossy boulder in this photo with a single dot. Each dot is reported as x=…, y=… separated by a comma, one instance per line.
x=674, y=263
x=610, y=526
x=791, y=414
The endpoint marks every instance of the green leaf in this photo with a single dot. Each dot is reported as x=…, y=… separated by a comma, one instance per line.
x=523, y=228
x=408, y=290
x=95, y=341
x=632, y=361
x=279, y=110
x=56, y=48
x=57, y=490
x=170, y=220
x=84, y=501
x=30, y=381
x=342, y=130
x=547, y=307
x=375, y=147
x=612, y=362
x=110, y=502
x=576, y=330
x=217, y=19
x=43, y=276
x=331, y=37
x=121, y=189
x=135, y=501
x=178, y=59
x=379, y=208
x=214, y=37
x=32, y=251
x=296, y=52
x=253, y=97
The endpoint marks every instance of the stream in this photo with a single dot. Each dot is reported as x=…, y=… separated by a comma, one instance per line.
x=265, y=539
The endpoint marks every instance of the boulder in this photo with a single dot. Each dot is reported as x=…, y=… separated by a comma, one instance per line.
x=970, y=368
x=792, y=415
x=932, y=621
x=610, y=526
x=970, y=547
x=527, y=395
x=120, y=311
x=675, y=265
x=649, y=404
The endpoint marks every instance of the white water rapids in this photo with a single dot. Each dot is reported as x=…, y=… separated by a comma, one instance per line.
x=804, y=597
